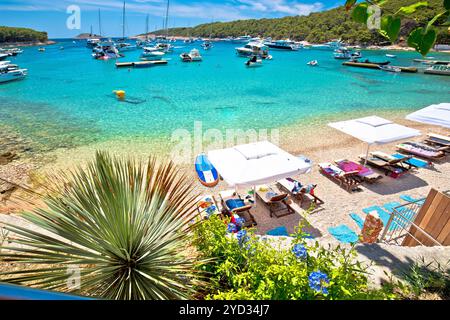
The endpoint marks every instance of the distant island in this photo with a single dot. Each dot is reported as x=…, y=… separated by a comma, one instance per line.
x=22, y=37
x=83, y=36
x=317, y=27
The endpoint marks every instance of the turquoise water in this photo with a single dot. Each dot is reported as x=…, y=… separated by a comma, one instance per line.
x=67, y=98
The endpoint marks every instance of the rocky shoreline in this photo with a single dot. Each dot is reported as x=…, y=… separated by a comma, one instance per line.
x=26, y=44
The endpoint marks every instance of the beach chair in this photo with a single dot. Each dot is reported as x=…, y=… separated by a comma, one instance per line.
x=347, y=180
x=390, y=168
x=364, y=173
x=439, y=141
x=299, y=191
x=402, y=162
x=421, y=150
x=275, y=201
x=234, y=204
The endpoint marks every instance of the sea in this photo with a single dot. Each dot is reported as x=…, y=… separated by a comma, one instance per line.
x=67, y=100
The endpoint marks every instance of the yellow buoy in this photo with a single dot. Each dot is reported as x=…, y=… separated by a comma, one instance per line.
x=120, y=94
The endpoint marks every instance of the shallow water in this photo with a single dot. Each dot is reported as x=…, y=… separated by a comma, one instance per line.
x=67, y=98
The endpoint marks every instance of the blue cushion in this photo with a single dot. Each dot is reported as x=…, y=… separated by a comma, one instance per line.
x=235, y=203
x=280, y=231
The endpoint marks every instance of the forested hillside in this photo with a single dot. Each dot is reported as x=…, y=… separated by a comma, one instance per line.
x=316, y=27
x=9, y=34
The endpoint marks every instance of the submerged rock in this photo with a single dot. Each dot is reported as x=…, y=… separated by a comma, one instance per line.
x=7, y=157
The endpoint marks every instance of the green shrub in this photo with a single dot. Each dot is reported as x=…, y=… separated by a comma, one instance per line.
x=244, y=267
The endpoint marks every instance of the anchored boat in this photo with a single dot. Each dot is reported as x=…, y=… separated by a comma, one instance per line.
x=254, y=48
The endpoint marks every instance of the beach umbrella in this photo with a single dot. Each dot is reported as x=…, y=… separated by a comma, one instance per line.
x=374, y=130
x=257, y=163
x=436, y=114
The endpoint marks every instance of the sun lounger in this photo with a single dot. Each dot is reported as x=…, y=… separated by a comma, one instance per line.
x=366, y=174
x=390, y=168
x=299, y=191
x=439, y=140
x=275, y=201
x=347, y=180
x=421, y=150
x=344, y=234
x=233, y=203
x=417, y=163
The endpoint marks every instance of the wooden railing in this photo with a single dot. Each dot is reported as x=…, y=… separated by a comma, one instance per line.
x=424, y=222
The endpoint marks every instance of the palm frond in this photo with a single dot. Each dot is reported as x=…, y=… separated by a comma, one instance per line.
x=125, y=223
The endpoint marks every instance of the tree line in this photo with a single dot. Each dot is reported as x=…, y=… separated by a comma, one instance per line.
x=10, y=34
x=317, y=27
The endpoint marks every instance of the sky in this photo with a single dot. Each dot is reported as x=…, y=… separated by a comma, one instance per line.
x=51, y=15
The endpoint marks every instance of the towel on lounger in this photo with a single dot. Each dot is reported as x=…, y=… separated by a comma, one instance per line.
x=343, y=234
x=235, y=203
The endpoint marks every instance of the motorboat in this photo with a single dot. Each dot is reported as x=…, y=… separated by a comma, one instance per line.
x=3, y=56
x=390, y=68
x=254, y=61
x=282, y=45
x=106, y=51
x=189, y=40
x=207, y=45
x=41, y=49
x=345, y=54
x=241, y=39
x=11, y=52
x=313, y=63
x=391, y=55
x=332, y=45
x=150, y=54
x=254, y=48
x=192, y=56
x=91, y=43
x=124, y=47
x=8, y=74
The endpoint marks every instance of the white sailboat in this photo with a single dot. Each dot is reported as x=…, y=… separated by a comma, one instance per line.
x=123, y=46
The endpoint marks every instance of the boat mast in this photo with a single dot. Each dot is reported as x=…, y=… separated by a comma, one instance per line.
x=146, y=28
x=99, y=23
x=123, y=22
x=167, y=19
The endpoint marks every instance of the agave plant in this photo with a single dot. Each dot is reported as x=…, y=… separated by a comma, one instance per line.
x=124, y=223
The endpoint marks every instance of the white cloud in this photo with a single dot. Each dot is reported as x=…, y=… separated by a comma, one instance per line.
x=288, y=7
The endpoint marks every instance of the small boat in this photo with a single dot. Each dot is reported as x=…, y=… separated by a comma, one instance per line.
x=390, y=68
x=125, y=47
x=438, y=69
x=254, y=62
x=192, y=56
x=282, y=45
x=61, y=48
x=41, y=49
x=254, y=48
x=11, y=73
x=150, y=54
x=391, y=55
x=207, y=45
x=3, y=56
x=313, y=63
x=207, y=174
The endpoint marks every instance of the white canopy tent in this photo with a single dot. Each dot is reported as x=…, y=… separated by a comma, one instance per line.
x=375, y=130
x=436, y=114
x=257, y=163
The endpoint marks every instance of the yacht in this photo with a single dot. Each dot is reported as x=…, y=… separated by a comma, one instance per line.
x=242, y=39
x=345, y=54
x=92, y=43
x=150, y=53
x=192, y=56
x=282, y=45
x=332, y=45
x=124, y=47
x=3, y=56
x=254, y=48
x=105, y=51
x=11, y=73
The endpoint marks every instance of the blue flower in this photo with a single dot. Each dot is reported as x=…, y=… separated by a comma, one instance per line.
x=232, y=228
x=318, y=281
x=300, y=251
x=239, y=221
x=242, y=237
